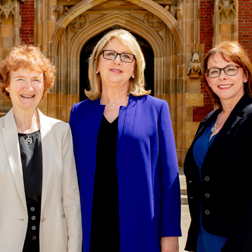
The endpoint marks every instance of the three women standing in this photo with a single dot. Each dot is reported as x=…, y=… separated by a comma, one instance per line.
x=218, y=163
x=125, y=155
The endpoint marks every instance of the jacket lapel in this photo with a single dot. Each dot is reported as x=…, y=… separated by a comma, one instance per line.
x=205, y=123
x=125, y=123
x=231, y=123
x=47, y=143
x=10, y=136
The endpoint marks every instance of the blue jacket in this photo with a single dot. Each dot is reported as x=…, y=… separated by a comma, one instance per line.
x=148, y=181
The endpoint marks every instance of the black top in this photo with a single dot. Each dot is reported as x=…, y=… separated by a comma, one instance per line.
x=105, y=212
x=31, y=158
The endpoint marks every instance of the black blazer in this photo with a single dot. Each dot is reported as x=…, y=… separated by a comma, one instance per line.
x=226, y=189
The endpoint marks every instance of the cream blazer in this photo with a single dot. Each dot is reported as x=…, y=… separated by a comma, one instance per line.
x=60, y=225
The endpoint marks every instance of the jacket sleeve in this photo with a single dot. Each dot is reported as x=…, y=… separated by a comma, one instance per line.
x=70, y=192
x=171, y=208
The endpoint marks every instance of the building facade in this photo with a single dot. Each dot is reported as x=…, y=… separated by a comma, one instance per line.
x=174, y=35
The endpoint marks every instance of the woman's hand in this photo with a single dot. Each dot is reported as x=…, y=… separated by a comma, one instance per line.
x=169, y=244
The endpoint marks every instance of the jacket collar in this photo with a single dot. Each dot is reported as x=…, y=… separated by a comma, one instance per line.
x=231, y=123
x=10, y=137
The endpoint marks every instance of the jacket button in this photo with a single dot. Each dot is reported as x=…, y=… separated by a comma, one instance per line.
x=207, y=212
x=207, y=178
x=34, y=237
x=207, y=195
x=190, y=181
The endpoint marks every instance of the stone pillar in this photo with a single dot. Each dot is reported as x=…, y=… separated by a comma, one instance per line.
x=189, y=94
x=225, y=21
x=9, y=37
x=45, y=14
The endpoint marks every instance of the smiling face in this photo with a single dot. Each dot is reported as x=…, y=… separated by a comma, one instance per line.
x=25, y=89
x=115, y=73
x=228, y=88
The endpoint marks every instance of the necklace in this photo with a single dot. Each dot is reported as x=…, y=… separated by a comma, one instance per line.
x=28, y=140
x=113, y=104
x=214, y=127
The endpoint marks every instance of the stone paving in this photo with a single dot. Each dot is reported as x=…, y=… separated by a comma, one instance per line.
x=185, y=221
x=185, y=216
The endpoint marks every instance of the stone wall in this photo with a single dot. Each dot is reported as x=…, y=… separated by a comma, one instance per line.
x=206, y=38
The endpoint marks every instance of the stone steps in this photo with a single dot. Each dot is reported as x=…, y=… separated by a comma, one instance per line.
x=183, y=191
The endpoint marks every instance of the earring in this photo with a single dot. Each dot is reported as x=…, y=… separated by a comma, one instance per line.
x=133, y=77
x=7, y=90
x=97, y=72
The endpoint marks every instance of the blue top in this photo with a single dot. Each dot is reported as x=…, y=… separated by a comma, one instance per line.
x=206, y=242
x=148, y=180
x=201, y=147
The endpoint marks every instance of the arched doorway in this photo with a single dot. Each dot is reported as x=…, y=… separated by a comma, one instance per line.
x=88, y=48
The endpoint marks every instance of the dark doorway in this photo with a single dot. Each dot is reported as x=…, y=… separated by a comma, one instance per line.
x=88, y=48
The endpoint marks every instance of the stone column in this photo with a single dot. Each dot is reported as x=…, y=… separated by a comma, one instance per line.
x=190, y=94
x=9, y=37
x=225, y=21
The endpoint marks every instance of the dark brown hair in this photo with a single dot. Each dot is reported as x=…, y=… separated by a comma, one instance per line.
x=230, y=51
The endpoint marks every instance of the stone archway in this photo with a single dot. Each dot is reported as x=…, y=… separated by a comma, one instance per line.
x=149, y=5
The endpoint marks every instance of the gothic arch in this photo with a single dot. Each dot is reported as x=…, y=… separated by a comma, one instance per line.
x=102, y=24
x=123, y=21
x=149, y=5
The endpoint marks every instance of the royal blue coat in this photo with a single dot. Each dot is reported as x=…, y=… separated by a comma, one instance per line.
x=148, y=181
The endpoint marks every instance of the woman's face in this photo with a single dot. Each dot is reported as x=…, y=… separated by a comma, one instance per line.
x=228, y=88
x=26, y=88
x=115, y=72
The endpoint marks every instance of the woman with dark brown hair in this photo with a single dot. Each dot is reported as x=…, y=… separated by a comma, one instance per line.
x=217, y=165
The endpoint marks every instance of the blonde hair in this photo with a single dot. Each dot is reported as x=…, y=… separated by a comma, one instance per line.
x=235, y=52
x=26, y=57
x=136, y=86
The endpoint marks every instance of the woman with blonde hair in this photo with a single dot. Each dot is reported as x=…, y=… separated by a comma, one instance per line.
x=39, y=194
x=125, y=155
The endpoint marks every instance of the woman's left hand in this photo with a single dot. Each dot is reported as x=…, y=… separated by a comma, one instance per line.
x=169, y=244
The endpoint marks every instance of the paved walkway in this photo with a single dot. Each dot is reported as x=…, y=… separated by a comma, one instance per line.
x=185, y=216
x=185, y=221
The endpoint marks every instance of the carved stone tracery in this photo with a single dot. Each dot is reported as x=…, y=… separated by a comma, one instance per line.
x=154, y=22
x=226, y=7
x=6, y=9
x=79, y=22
